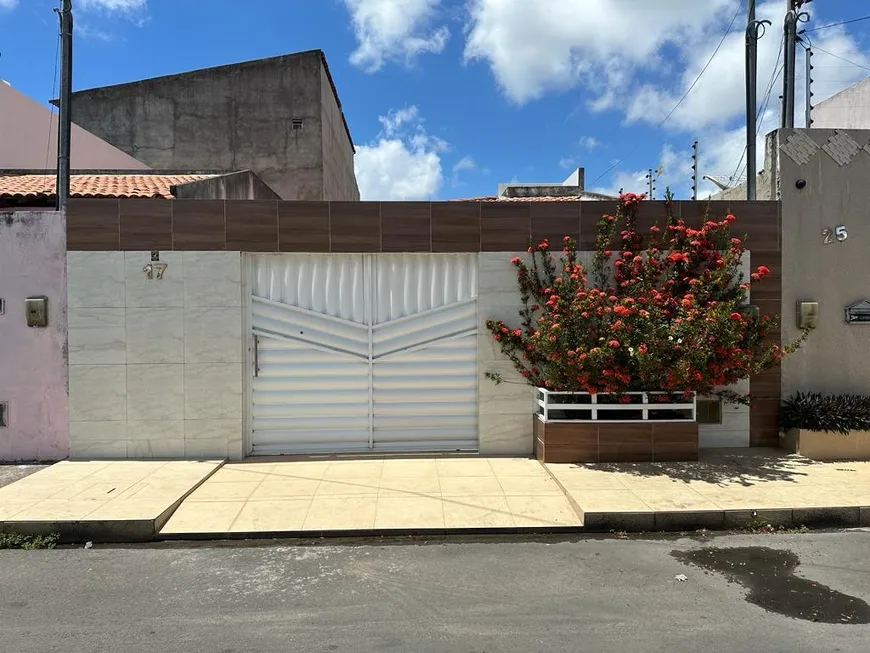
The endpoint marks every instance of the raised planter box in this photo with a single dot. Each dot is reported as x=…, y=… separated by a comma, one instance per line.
x=819, y=445
x=583, y=428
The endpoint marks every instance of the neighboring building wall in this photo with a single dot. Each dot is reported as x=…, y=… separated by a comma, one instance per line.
x=835, y=165
x=762, y=190
x=339, y=180
x=33, y=360
x=849, y=109
x=155, y=365
x=243, y=185
x=225, y=118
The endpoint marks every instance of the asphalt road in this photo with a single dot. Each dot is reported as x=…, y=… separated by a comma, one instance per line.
x=602, y=594
x=11, y=473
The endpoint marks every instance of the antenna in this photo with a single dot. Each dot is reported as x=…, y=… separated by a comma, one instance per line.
x=695, y=170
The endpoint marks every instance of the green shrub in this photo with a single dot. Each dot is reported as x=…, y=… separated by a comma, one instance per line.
x=828, y=413
x=28, y=542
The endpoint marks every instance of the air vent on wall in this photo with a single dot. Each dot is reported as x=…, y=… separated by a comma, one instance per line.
x=296, y=123
x=709, y=411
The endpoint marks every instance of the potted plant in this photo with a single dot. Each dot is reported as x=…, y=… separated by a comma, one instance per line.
x=619, y=353
x=826, y=427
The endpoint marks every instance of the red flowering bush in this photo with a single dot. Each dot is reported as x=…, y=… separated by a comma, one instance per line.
x=668, y=314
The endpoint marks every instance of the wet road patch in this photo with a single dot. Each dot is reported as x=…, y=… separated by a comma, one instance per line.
x=769, y=576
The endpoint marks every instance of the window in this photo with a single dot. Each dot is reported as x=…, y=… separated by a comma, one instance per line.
x=2, y=306
x=709, y=411
x=4, y=414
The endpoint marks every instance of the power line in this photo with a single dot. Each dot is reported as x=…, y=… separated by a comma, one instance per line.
x=836, y=56
x=51, y=111
x=685, y=95
x=845, y=22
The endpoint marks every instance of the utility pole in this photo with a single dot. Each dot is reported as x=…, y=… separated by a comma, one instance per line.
x=65, y=100
x=792, y=18
x=754, y=31
x=695, y=170
x=808, y=54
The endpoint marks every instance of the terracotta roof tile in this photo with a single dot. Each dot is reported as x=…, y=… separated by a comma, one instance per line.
x=126, y=185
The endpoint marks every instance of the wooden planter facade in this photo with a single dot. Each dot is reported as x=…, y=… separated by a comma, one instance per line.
x=827, y=446
x=584, y=442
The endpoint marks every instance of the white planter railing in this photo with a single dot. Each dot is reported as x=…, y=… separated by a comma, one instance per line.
x=604, y=407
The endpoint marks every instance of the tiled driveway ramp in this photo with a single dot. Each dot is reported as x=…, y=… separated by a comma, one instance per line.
x=428, y=494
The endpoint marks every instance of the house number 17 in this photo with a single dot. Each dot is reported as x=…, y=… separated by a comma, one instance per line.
x=837, y=234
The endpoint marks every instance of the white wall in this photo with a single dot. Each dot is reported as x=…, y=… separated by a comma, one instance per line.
x=155, y=365
x=505, y=412
x=849, y=109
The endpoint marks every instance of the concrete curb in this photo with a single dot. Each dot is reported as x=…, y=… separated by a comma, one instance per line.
x=689, y=520
x=370, y=533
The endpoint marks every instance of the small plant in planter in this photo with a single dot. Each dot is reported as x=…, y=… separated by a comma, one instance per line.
x=665, y=313
x=825, y=413
x=826, y=427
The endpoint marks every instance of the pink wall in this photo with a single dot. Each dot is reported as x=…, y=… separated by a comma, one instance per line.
x=33, y=361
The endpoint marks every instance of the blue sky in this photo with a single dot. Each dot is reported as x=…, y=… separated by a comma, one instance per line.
x=447, y=98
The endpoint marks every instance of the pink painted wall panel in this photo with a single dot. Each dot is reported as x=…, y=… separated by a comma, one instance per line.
x=33, y=360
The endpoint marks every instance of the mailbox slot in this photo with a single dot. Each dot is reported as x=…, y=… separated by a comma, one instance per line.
x=36, y=311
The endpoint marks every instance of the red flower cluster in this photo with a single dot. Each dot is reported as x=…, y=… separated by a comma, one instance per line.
x=664, y=313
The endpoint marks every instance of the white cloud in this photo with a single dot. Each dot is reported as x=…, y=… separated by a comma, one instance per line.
x=394, y=30
x=119, y=6
x=588, y=142
x=713, y=112
x=394, y=120
x=533, y=48
x=8, y=4
x=465, y=164
x=403, y=163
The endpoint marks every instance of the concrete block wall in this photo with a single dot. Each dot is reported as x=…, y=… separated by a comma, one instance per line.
x=155, y=365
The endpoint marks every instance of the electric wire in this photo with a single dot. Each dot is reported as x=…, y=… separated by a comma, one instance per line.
x=51, y=110
x=836, y=56
x=685, y=95
x=845, y=22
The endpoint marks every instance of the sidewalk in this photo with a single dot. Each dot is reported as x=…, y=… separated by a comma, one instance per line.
x=125, y=500
x=107, y=501
x=727, y=488
x=375, y=495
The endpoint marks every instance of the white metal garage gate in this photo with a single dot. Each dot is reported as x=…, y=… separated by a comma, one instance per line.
x=362, y=352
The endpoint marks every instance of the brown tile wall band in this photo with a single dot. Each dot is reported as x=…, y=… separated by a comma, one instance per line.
x=601, y=443
x=272, y=225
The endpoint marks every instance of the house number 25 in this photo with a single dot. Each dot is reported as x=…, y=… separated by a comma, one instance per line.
x=837, y=234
